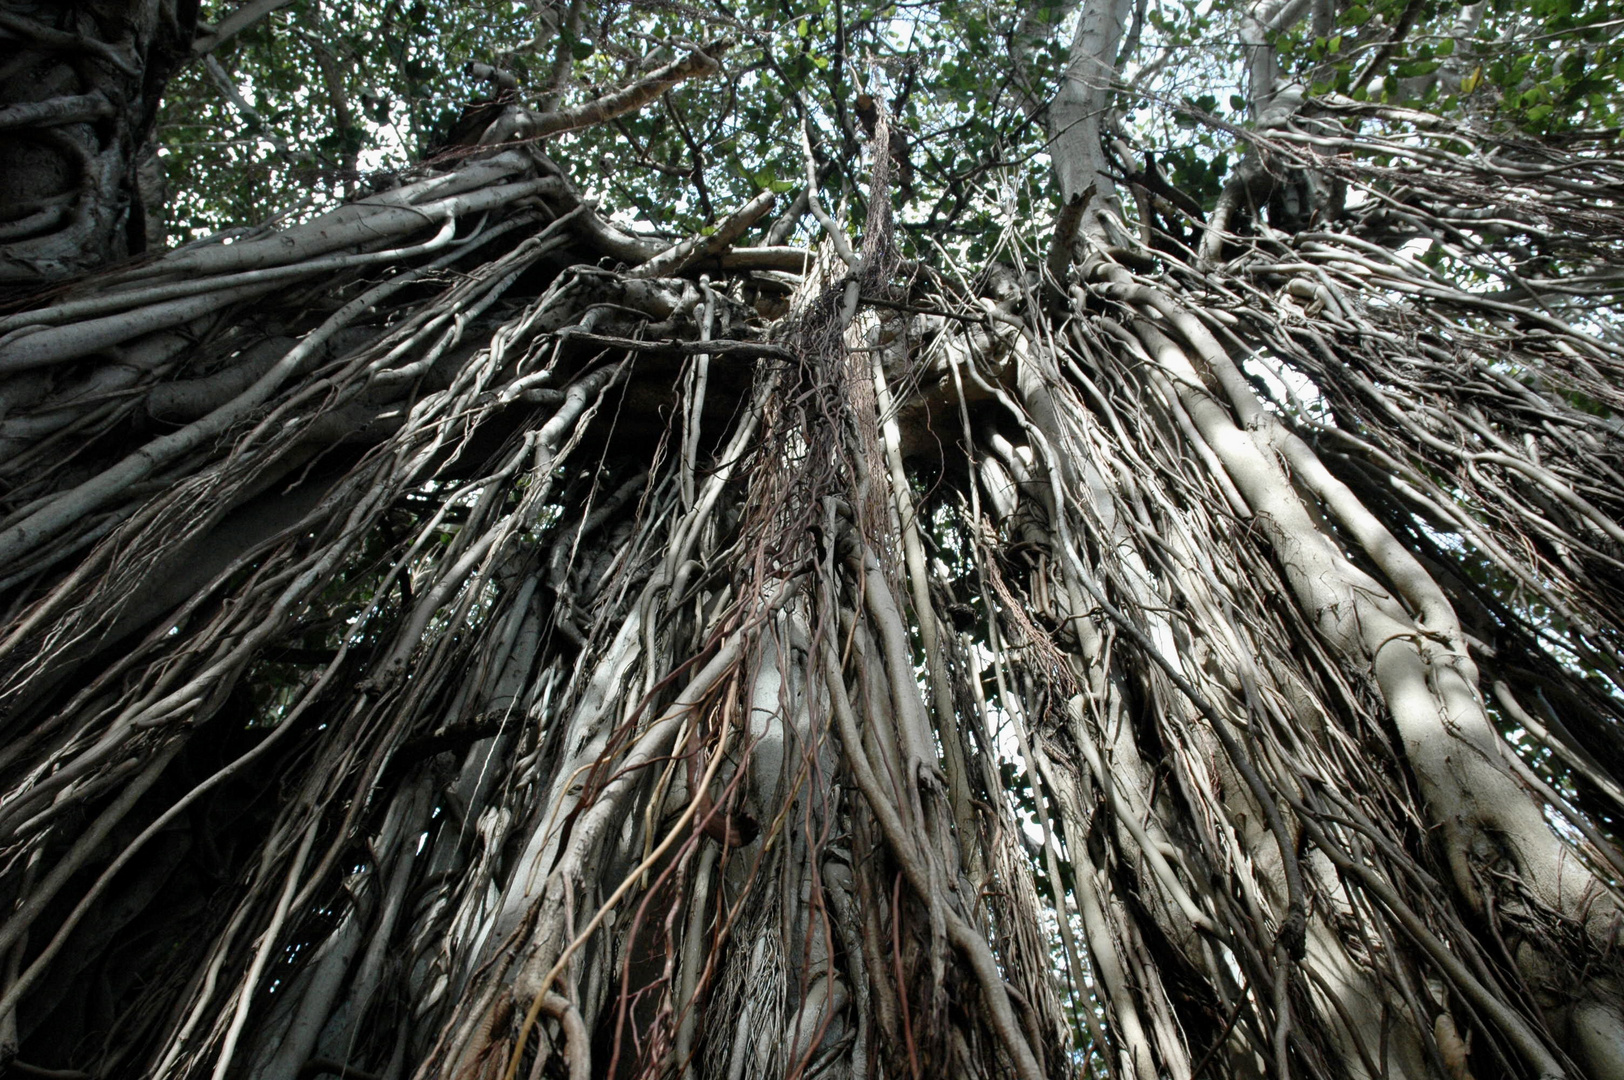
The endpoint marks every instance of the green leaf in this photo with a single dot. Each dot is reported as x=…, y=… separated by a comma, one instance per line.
x=1418, y=68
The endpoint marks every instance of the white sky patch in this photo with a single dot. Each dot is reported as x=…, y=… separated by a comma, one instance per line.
x=1287, y=387
x=386, y=149
x=1417, y=247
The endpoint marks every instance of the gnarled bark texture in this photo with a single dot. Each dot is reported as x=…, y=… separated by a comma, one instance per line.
x=79, y=92
x=454, y=637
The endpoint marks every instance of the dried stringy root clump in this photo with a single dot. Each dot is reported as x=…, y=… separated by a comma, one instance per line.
x=488, y=664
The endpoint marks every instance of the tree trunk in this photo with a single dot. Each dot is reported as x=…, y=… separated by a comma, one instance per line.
x=79, y=93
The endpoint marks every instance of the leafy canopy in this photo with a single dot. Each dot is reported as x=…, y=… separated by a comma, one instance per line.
x=332, y=95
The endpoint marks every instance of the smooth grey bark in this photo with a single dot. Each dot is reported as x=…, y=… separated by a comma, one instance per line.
x=1078, y=112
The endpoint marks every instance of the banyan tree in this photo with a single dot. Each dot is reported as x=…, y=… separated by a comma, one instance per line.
x=811, y=540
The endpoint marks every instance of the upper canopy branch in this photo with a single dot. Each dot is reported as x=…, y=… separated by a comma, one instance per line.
x=523, y=124
x=211, y=38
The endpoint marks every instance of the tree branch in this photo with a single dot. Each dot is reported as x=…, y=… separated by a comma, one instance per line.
x=526, y=125
x=234, y=24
